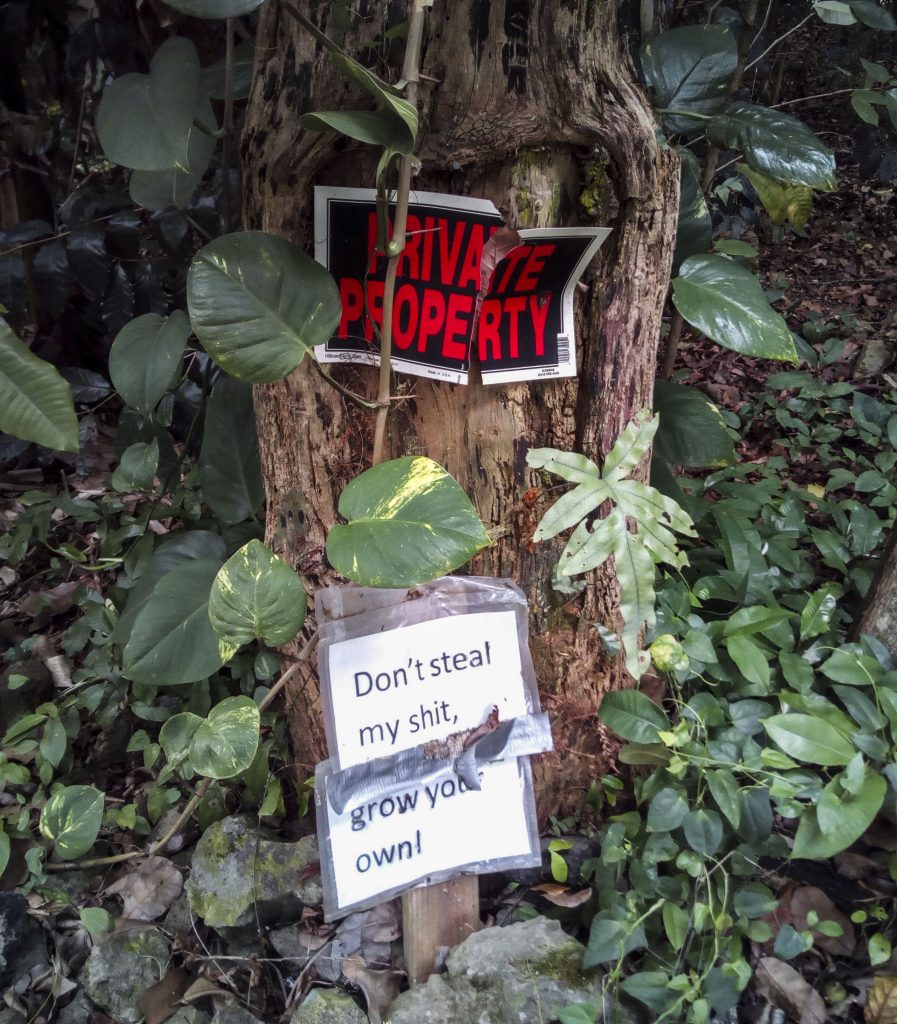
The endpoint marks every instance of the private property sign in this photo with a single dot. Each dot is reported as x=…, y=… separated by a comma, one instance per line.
x=517, y=324
x=400, y=697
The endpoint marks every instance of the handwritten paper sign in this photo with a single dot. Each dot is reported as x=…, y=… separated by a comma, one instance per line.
x=409, y=676
x=518, y=328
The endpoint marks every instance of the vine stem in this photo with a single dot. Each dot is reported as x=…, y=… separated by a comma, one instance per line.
x=155, y=848
x=301, y=658
x=411, y=74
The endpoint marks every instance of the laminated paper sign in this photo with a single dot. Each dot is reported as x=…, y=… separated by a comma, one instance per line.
x=406, y=676
x=519, y=328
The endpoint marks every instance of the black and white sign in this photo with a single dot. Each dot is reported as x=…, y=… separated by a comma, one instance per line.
x=520, y=328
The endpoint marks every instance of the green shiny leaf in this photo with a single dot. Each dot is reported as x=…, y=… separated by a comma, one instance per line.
x=834, y=12
x=176, y=734
x=138, y=466
x=230, y=473
x=775, y=144
x=172, y=640
x=749, y=659
x=225, y=743
x=783, y=203
x=694, y=228
x=256, y=596
x=666, y=810
x=691, y=432
x=839, y=818
x=35, y=401
x=873, y=15
x=146, y=356
x=54, y=741
x=408, y=522
x=690, y=69
x=725, y=301
x=852, y=668
x=144, y=121
x=703, y=831
x=71, y=820
x=817, y=614
x=633, y=716
x=809, y=739
x=725, y=791
x=258, y=303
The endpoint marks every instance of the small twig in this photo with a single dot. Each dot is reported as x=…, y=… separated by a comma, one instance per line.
x=154, y=849
x=301, y=658
x=782, y=37
x=673, y=338
x=815, y=96
x=78, y=128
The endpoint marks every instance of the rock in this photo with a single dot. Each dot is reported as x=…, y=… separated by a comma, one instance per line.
x=12, y=927
x=300, y=946
x=522, y=974
x=188, y=1015
x=875, y=357
x=238, y=879
x=179, y=917
x=329, y=1006
x=121, y=968
x=77, y=1011
x=234, y=1015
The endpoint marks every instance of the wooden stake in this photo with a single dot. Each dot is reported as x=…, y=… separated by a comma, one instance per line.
x=436, y=917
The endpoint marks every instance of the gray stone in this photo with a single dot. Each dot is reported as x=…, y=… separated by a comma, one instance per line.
x=234, y=1015
x=522, y=974
x=179, y=917
x=239, y=879
x=188, y=1015
x=330, y=1006
x=12, y=928
x=121, y=968
x=300, y=946
x=77, y=1011
x=10, y=1016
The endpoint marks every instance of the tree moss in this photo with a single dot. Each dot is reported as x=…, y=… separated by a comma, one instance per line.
x=596, y=190
x=563, y=964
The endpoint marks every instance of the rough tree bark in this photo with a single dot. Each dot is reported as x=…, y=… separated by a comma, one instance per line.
x=533, y=104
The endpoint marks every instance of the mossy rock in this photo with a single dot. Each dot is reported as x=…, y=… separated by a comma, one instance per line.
x=121, y=968
x=329, y=1006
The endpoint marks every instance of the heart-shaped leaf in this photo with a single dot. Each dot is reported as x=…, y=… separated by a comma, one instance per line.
x=256, y=596
x=230, y=474
x=691, y=431
x=71, y=820
x=725, y=301
x=172, y=641
x=35, y=402
x=690, y=69
x=145, y=357
x=840, y=818
x=144, y=121
x=775, y=144
x=258, y=304
x=633, y=715
x=226, y=742
x=409, y=522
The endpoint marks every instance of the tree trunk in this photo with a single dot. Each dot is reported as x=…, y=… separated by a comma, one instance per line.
x=532, y=104
x=879, y=617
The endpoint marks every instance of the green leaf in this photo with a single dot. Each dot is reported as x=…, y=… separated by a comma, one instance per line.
x=610, y=939
x=225, y=744
x=258, y=304
x=35, y=402
x=97, y=921
x=376, y=127
x=633, y=716
x=176, y=734
x=754, y=619
x=5, y=847
x=735, y=247
x=694, y=228
x=865, y=111
x=834, y=12
x=230, y=474
x=650, y=988
x=783, y=203
x=144, y=121
x=749, y=659
x=775, y=144
x=214, y=76
x=879, y=949
x=873, y=15
x=579, y=1013
x=809, y=739
x=138, y=466
x=71, y=820
x=172, y=641
x=215, y=8
x=408, y=522
x=726, y=302
x=839, y=818
x=146, y=356
x=54, y=741
x=692, y=432
x=256, y=596
x=703, y=831
x=675, y=924
x=690, y=69
x=852, y=668
x=666, y=810
x=725, y=791
x=816, y=617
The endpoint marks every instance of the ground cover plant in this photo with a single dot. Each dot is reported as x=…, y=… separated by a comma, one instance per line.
x=153, y=621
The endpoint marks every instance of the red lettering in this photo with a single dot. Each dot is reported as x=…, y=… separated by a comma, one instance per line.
x=538, y=309
x=375, y=309
x=432, y=317
x=510, y=262
x=470, y=268
x=535, y=263
x=454, y=341
x=352, y=300
x=429, y=233
x=490, y=318
x=448, y=258
x=406, y=297
x=514, y=307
